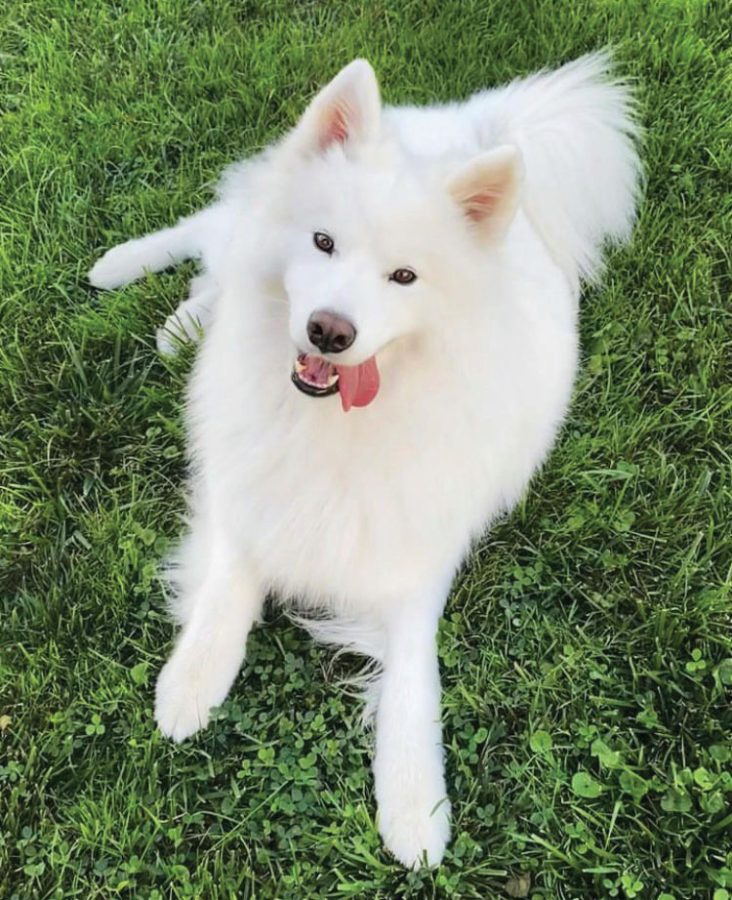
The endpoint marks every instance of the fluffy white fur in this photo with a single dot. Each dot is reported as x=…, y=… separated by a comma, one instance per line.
x=501, y=205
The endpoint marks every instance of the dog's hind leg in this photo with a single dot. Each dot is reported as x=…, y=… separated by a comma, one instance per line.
x=221, y=600
x=192, y=316
x=156, y=251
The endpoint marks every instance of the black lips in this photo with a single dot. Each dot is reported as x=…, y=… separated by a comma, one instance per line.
x=313, y=391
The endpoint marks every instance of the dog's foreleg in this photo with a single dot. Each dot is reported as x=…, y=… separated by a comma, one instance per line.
x=211, y=646
x=413, y=808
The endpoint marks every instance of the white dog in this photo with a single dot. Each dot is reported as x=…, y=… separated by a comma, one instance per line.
x=419, y=267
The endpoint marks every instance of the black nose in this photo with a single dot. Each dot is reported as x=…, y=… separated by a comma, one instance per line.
x=330, y=333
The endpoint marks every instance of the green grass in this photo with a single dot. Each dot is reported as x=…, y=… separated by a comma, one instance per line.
x=586, y=650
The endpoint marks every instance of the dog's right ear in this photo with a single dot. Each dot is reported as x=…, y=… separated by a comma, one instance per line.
x=346, y=110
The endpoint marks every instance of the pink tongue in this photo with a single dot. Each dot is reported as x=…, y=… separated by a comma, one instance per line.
x=358, y=385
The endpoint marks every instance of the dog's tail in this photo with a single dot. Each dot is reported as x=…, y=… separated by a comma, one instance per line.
x=577, y=131
x=129, y=261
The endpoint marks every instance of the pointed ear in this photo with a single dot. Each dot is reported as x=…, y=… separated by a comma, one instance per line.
x=487, y=190
x=348, y=109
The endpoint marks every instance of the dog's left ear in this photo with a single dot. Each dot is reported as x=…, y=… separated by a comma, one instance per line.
x=348, y=109
x=487, y=190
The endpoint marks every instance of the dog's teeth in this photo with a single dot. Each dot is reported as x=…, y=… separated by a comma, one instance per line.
x=300, y=370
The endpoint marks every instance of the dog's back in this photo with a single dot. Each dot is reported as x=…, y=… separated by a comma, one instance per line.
x=576, y=131
x=574, y=127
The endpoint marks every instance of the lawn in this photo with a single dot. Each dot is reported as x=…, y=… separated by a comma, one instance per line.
x=587, y=646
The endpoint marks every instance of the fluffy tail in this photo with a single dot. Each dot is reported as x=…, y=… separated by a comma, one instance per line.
x=577, y=132
x=129, y=261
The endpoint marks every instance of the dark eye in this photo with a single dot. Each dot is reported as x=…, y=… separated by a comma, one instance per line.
x=403, y=276
x=323, y=242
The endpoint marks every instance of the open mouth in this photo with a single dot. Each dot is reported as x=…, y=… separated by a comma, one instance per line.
x=316, y=377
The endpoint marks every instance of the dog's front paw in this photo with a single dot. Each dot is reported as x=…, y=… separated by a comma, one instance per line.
x=183, y=699
x=414, y=820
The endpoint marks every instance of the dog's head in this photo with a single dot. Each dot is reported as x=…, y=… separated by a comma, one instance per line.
x=380, y=245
